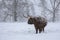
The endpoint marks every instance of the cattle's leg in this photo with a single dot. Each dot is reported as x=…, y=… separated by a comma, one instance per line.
x=43, y=29
x=36, y=30
x=40, y=29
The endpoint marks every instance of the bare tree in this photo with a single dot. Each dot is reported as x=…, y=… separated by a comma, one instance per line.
x=14, y=10
x=32, y=8
x=55, y=6
x=3, y=10
x=53, y=9
x=29, y=8
x=43, y=2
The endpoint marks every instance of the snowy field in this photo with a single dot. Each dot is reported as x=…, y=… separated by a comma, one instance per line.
x=23, y=31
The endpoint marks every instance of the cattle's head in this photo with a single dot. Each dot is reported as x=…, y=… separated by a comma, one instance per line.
x=31, y=20
x=34, y=20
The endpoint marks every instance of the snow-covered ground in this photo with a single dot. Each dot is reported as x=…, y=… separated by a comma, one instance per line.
x=23, y=31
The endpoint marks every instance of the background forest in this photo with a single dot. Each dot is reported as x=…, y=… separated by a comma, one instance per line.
x=13, y=10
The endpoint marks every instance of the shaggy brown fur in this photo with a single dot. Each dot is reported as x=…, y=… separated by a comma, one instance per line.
x=39, y=23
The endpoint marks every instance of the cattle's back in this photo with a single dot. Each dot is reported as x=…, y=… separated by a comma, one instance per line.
x=40, y=21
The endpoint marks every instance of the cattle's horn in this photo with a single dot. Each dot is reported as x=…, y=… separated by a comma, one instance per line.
x=28, y=16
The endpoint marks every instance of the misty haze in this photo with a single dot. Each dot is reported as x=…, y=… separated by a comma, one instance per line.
x=29, y=19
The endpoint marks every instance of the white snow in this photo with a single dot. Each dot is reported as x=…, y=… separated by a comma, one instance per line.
x=23, y=31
